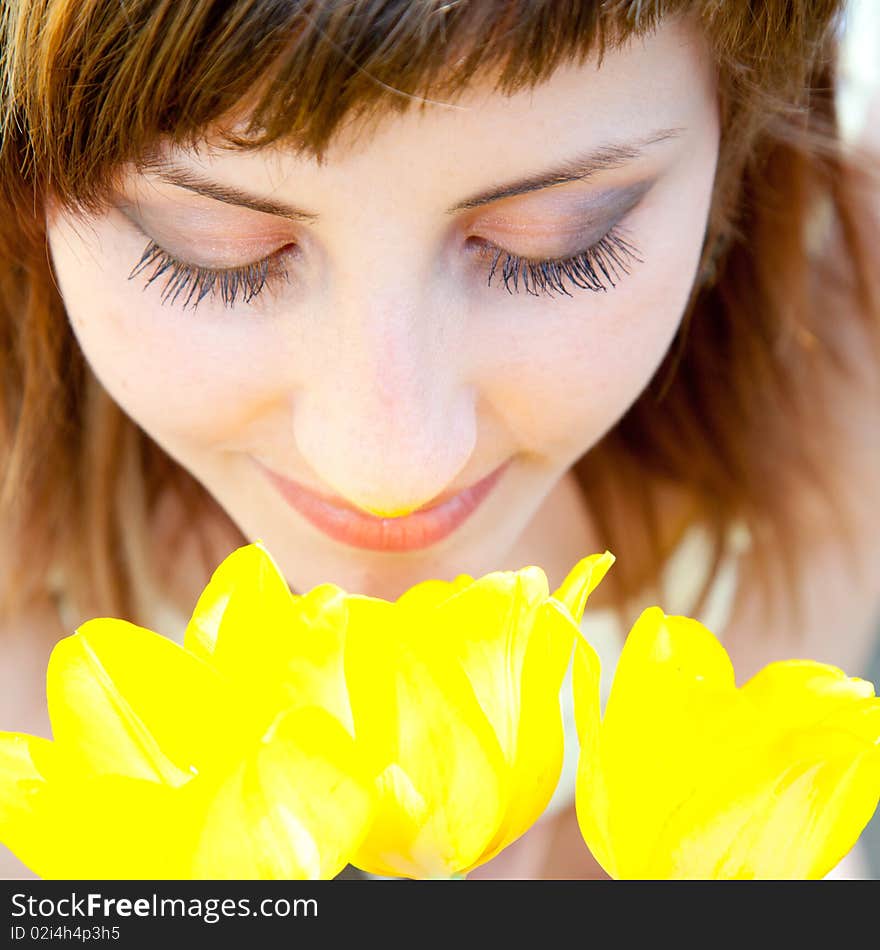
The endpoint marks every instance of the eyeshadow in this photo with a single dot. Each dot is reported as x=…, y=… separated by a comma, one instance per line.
x=570, y=222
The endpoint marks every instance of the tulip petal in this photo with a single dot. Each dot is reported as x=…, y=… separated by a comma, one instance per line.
x=248, y=592
x=793, y=693
x=402, y=823
x=538, y=750
x=488, y=628
x=19, y=770
x=125, y=700
x=776, y=779
x=297, y=808
x=581, y=581
x=21, y=779
x=279, y=650
x=791, y=809
x=298, y=663
x=591, y=793
x=430, y=593
x=108, y=827
x=673, y=695
x=414, y=708
x=311, y=662
x=679, y=649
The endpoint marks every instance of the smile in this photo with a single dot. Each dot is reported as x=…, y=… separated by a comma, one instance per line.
x=342, y=522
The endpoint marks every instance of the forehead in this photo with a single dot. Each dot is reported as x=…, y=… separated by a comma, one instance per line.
x=451, y=156
x=663, y=80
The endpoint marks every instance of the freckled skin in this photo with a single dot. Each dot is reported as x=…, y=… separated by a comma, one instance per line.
x=386, y=371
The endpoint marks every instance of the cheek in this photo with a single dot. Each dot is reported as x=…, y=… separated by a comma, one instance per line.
x=578, y=381
x=581, y=363
x=184, y=376
x=573, y=366
x=574, y=376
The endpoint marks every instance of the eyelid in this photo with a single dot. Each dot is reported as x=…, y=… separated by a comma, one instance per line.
x=188, y=279
x=587, y=269
x=592, y=214
x=252, y=250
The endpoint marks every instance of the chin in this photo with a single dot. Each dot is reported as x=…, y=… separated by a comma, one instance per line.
x=387, y=576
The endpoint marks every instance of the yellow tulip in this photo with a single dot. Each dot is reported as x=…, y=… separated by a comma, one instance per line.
x=280, y=650
x=159, y=769
x=454, y=691
x=254, y=750
x=688, y=776
x=451, y=691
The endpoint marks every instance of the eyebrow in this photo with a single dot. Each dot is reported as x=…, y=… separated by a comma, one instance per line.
x=183, y=177
x=579, y=168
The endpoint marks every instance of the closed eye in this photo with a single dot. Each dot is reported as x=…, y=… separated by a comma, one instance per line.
x=595, y=268
x=194, y=283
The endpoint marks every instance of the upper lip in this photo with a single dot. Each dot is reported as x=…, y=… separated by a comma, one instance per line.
x=435, y=502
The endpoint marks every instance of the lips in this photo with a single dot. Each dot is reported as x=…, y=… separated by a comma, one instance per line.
x=420, y=529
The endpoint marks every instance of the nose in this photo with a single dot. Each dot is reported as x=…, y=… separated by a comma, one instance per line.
x=388, y=423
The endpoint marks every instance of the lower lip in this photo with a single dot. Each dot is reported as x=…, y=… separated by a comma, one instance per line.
x=410, y=533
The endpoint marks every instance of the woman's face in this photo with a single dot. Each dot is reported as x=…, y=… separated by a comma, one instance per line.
x=377, y=364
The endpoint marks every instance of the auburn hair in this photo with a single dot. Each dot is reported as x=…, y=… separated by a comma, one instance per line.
x=90, y=85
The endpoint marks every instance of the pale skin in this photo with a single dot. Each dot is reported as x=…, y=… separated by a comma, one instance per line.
x=387, y=371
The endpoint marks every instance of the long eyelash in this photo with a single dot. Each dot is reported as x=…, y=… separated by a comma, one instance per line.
x=609, y=255
x=198, y=282
x=585, y=270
